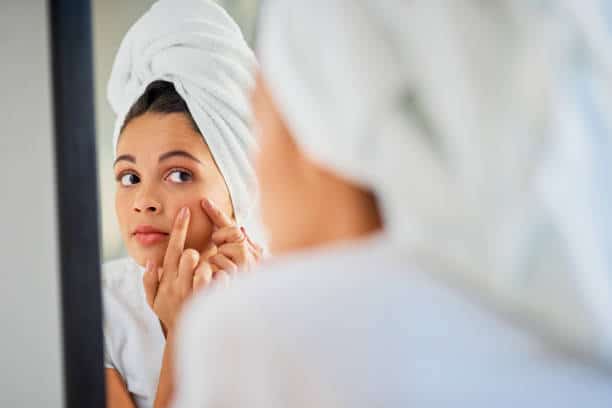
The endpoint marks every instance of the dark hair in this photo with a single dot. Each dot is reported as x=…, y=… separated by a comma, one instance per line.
x=159, y=97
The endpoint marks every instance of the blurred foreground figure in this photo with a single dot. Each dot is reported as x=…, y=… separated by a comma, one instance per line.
x=435, y=176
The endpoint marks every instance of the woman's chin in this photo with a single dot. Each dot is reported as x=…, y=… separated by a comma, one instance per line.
x=142, y=256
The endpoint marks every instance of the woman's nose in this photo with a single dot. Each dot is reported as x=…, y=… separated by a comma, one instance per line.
x=147, y=203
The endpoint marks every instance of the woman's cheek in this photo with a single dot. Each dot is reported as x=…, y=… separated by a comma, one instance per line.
x=222, y=198
x=200, y=230
x=122, y=210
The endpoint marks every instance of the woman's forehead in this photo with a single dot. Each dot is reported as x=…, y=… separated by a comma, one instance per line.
x=161, y=132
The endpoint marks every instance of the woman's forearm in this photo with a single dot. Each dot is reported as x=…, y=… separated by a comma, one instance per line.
x=165, y=387
x=117, y=394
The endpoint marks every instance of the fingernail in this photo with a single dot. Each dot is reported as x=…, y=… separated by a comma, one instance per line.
x=148, y=266
x=183, y=214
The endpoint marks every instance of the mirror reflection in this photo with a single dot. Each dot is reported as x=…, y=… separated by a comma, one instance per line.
x=178, y=189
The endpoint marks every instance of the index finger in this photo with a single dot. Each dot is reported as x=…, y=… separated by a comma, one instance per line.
x=218, y=217
x=176, y=243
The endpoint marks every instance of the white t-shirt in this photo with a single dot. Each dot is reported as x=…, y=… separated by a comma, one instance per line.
x=133, y=338
x=359, y=326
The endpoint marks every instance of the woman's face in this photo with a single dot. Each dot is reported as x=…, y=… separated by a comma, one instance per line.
x=163, y=165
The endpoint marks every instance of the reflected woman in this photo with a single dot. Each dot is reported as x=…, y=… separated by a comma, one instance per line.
x=186, y=191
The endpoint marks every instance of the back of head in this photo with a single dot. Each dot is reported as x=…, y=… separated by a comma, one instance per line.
x=481, y=130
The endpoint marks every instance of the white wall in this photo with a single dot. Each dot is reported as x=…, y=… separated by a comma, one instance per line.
x=30, y=343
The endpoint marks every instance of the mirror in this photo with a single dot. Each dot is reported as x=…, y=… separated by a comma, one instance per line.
x=111, y=21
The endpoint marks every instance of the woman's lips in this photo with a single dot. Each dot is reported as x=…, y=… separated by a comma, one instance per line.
x=147, y=235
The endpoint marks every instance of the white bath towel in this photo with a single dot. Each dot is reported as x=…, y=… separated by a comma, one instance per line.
x=483, y=130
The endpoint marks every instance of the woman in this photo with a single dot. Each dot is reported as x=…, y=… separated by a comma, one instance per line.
x=442, y=207
x=186, y=193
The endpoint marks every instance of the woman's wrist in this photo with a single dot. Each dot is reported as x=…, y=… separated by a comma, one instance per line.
x=166, y=329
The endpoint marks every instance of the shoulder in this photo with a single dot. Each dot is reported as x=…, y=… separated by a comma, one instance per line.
x=335, y=276
x=122, y=293
x=342, y=310
x=120, y=275
x=133, y=339
x=349, y=294
x=306, y=291
x=343, y=313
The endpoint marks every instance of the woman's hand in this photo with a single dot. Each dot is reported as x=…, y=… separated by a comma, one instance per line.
x=185, y=270
x=235, y=250
x=167, y=293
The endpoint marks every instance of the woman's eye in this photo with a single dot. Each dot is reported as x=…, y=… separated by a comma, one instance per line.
x=129, y=179
x=179, y=176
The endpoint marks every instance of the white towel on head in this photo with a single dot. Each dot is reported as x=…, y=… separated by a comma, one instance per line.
x=195, y=45
x=481, y=128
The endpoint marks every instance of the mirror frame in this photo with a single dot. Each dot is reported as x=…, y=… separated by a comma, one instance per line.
x=77, y=208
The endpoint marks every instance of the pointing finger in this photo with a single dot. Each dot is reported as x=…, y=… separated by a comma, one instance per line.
x=218, y=217
x=176, y=244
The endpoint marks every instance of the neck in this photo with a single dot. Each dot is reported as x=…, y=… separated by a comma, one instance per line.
x=345, y=212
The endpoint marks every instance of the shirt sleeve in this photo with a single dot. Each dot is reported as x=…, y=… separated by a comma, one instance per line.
x=108, y=363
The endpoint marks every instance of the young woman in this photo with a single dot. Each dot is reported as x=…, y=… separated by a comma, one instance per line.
x=453, y=246
x=185, y=194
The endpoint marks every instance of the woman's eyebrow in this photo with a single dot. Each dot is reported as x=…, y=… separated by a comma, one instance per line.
x=180, y=153
x=125, y=157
